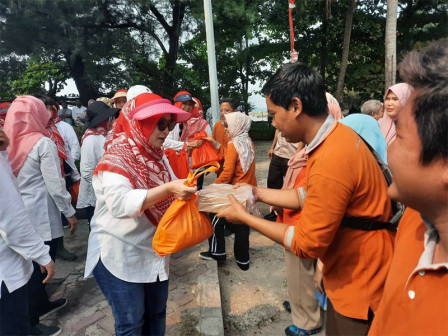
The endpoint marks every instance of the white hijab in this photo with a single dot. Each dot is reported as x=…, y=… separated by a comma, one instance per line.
x=238, y=127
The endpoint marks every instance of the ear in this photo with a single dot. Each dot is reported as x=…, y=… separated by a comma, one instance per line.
x=296, y=106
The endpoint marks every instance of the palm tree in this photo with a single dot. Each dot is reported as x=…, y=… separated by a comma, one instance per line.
x=391, y=43
x=348, y=29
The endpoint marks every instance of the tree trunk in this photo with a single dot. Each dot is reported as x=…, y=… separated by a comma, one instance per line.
x=323, y=41
x=76, y=67
x=391, y=43
x=348, y=30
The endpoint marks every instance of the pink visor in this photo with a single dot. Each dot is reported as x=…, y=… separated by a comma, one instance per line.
x=158, y=107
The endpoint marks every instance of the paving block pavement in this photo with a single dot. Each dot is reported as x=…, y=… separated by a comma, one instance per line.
x=194, y=301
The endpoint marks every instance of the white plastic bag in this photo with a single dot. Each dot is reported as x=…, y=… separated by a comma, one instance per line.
x=215, y=198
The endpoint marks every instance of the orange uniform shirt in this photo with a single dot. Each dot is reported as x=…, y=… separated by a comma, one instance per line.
x=415, y=299
x=344, y=179
x=232, y=172
x=221, y=136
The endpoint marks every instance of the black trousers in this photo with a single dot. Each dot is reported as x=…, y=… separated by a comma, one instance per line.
x=277, y=172
x=37, y=294
x=14, y=311
x=217, y=242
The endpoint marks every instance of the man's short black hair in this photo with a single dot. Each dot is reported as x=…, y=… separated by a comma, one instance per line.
x=427, y=71
x=233, y=102
x=301, y=81
x=47, y=100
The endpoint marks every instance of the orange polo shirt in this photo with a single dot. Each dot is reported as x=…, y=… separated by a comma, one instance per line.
x=344, y=179
x=415, y=299
x=232, y=172
x=221, y=136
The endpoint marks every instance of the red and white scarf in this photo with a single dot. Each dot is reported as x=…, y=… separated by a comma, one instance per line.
x=130, y=154
x=191, y=127
x=54, y=135
x=94, y=131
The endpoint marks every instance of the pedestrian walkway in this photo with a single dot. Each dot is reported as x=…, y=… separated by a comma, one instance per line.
x=194, y=302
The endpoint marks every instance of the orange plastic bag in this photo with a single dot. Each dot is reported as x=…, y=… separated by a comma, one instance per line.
x=74, y=191
x=204, y=154
x=183, y=225
x=178, y=162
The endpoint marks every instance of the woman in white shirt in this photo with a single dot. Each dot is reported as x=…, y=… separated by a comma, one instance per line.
x=134, y=186
x=92, y=149
x=35, y=161
x=19, y=245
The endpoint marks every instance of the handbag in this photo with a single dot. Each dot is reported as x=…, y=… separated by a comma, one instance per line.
x=183, y=225
x=203, y=154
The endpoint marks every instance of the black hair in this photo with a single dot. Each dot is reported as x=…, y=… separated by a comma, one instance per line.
x=46, y=100
x=297, y=80
x=233, y=102
x=427, y=71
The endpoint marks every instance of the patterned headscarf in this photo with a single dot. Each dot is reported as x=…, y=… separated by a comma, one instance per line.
x=131, y=155
x=238, y=127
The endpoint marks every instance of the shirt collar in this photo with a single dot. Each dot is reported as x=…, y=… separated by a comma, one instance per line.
x=430, y=239
x=322, y=134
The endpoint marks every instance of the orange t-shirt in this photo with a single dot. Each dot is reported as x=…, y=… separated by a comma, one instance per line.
x=222, y=137
x=232, y=172
x=415, y=299
x=344, y=179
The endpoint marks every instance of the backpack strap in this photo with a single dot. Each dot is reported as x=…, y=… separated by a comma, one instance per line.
x=368, y=224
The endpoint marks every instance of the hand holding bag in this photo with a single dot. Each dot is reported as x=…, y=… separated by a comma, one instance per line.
x=205, y=153
x=183, y=225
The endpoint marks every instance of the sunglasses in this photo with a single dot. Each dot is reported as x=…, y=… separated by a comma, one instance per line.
x=162, y=124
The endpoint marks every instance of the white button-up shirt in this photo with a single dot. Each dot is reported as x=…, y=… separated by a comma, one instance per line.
x=77, y=112
x=121, y=234
x=91, y=152
x=43, y=190
x=19, y=242
x=72, y=149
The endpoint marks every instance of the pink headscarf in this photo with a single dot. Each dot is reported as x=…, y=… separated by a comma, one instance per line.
x=26, y=122
x=387, y=125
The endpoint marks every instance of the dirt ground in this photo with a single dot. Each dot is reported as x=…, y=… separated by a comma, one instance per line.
x=252, y=300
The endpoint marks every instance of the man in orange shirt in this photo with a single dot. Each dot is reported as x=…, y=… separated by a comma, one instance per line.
x=345, y=188
x=415, y=300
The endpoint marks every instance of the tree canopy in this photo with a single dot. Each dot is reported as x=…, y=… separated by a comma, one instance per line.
x=109, y=44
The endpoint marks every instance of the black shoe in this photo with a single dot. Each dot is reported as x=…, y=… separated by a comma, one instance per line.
x=53, y=306
x=43, y=330
x=209, y=256
x=287, y=305
x=63, y=254
x=243, y=267
x=271, y=217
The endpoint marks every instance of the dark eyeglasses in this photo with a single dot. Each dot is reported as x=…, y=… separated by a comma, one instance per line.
x=162, y=124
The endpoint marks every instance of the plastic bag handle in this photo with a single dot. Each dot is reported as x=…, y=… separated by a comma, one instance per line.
x=193, y=176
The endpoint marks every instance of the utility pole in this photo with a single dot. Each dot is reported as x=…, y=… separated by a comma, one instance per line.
x=214, y=96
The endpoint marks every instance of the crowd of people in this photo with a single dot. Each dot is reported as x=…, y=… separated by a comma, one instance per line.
x=360, y=203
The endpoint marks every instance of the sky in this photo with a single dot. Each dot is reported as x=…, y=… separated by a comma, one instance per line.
x=257, y=100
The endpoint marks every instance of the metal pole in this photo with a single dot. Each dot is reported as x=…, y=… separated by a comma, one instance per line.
x=214, y=96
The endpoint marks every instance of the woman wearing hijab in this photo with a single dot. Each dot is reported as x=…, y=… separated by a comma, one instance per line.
x=134, y=186
x=239, y=167
x=394, y=100
x=99, y=122
x=36, y=161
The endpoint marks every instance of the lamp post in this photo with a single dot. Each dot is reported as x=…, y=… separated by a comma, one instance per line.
x=214, y=96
